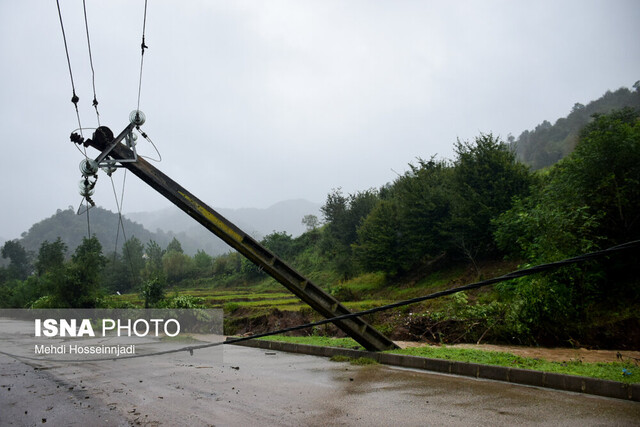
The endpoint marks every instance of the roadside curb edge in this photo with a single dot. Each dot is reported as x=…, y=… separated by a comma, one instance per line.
x=595, y=386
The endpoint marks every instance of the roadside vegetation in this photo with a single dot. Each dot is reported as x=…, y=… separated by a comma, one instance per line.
x=442, y=223
x=627, y=372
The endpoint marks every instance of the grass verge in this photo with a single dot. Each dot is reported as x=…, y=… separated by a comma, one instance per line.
x=622, y=372
x=360, y=361
x=317, y=340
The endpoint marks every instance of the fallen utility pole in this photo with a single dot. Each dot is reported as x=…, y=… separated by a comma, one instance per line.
x=303, y=288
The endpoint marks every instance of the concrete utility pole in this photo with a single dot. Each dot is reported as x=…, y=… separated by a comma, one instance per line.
x=112, y=149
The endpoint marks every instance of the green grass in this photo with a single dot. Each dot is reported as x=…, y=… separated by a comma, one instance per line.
x=365, y=304
x=318, y=341
x=367, y=282
x=285, y=301
x=606, y=371
x=360, y=361
x=218, y=298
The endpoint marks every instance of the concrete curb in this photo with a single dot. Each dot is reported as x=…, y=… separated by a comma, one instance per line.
x=563, y=382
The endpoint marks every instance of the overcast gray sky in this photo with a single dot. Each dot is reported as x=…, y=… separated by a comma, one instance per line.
x=255, y=102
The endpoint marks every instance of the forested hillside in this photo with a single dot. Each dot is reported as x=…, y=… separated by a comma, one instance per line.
x=548, y=143
x=71, y=228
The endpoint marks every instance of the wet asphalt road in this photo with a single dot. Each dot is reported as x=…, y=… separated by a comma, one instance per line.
x=257, y=387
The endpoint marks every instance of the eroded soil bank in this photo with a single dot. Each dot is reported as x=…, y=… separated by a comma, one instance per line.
x=246, y=324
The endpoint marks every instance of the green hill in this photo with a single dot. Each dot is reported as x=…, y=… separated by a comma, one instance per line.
x=548, y=143
x=71, y=228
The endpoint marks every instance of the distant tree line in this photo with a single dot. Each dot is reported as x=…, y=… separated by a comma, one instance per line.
x=50, y=279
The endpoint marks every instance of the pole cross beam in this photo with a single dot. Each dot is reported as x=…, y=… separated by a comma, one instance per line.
x=325, y=304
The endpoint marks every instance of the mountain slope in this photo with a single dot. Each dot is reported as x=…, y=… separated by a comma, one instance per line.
x=548, y=143
x=283, y=216
x=168, y=223
x=71, y=228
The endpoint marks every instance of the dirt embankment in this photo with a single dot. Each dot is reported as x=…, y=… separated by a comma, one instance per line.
x=244, y=324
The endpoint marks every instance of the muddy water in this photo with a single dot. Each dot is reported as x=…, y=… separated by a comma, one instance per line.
x=257, y=387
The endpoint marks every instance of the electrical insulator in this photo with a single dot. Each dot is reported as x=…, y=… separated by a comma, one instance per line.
x=88, y=167
x=86, y=188
x=109, y=168
x=137, y=117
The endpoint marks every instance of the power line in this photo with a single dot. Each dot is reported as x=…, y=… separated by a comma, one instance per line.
x=509, y=276
x=74, y=98
x=120, y=204
x=88, y=221
x=143, y=46
x=145, y=136
x=93, y=73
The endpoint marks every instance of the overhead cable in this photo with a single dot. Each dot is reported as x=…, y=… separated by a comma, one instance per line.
x=513, y=275
x=143, y=46
x=93, y=73
x=74, y=97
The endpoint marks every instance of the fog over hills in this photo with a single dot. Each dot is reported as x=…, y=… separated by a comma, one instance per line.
x=162, y=226
x=283, y=216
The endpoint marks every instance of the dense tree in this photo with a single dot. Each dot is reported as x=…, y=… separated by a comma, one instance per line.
x=380, y=244
x=80, y=285
x=203, y=263
x=487, y=177
x=174, y=246
x=604, y=172
x=50, y=256
x=410, y=224
x=441, y=207
x=311, y=222
x=20, y=265
x=152, y=293
x=177, y=266
x=153, y=267
x=279, y=243
x=343, y=215
x=116, y=275
x=425, y=205
x=133, y=258
x=587, y=201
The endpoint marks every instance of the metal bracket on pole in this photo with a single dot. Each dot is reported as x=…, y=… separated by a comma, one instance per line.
x=303, y=288
x=103, y=134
